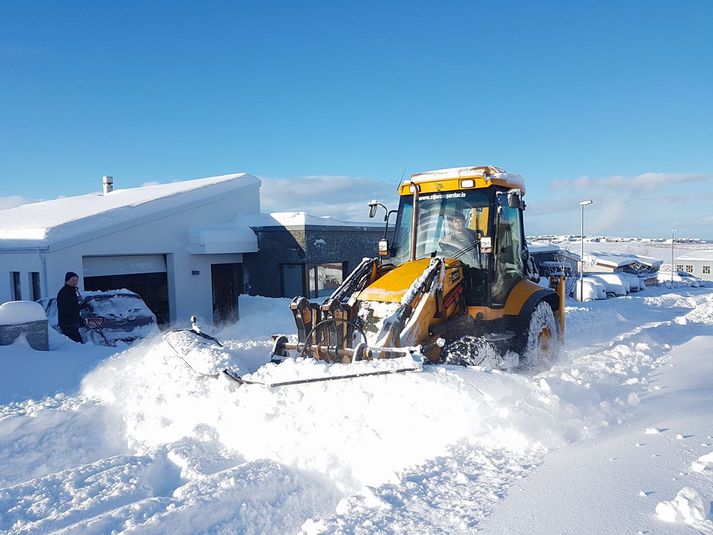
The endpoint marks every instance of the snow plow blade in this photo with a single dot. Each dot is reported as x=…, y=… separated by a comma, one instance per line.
x=240, y=380
x=197, y=349
x=345, y=358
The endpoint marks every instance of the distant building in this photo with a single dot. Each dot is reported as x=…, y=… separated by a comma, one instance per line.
x=697, y=263
x=551, y=258
x=185, y=247
x=304, y=255
x=644, y=267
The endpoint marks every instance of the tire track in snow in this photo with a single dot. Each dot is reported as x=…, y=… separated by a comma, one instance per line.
x=447, y=495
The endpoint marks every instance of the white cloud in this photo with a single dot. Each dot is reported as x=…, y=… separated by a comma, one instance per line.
x=646, y=205
x=341, y=197
x=649, y=204
x=642, y=181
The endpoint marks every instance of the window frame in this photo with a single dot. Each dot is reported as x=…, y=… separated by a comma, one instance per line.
x=15, y=286
x=35, y=283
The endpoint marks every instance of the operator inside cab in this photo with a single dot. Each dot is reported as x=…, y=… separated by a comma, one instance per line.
x=461, y=243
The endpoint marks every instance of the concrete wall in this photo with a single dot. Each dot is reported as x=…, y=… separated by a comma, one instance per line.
x=306, y=245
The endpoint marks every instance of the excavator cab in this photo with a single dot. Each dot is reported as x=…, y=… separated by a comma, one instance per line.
x=477, y=227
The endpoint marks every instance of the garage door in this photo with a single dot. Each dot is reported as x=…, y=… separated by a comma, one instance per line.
x=143, y=274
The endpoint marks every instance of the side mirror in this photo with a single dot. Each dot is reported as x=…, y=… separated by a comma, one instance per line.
x=383, y=247
x=515, y=199
x=372, y=208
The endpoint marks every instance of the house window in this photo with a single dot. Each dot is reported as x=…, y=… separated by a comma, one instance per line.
x=679, y=267
x=15, y=285
x=706, y=270
x=689, y=269
x=324, y=278
x=35, y=285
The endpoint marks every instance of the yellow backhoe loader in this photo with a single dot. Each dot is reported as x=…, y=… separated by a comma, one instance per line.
x=455, y=277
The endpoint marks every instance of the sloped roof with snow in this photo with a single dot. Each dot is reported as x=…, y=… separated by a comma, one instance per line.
x=238, y=235
x=48, y=221
x=539, y=248
x=615, y=260
x=300, y=220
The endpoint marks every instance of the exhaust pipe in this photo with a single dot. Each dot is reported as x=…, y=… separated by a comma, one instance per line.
x=107, y=184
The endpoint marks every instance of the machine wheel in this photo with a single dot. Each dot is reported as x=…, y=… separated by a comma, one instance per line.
x=541, y=338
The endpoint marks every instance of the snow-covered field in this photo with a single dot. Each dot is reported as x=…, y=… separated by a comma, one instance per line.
x=616, y=437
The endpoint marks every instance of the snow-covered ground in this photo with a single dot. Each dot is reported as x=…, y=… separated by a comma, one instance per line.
x=616, y=437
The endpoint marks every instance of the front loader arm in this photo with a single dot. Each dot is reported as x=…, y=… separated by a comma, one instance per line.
x=328, y=331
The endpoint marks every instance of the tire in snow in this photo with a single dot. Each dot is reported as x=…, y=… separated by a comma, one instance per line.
x=541, y=340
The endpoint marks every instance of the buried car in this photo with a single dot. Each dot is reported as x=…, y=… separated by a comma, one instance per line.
x=615, y=285
x=109, y=317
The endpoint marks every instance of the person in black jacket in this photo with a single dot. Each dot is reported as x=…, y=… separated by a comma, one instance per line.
x=68, y=308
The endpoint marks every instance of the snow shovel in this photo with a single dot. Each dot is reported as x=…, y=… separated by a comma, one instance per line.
x=94, y=324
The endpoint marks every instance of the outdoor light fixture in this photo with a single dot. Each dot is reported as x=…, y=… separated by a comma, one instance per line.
x=673, y=240
x=581, y=271
x=383, y=243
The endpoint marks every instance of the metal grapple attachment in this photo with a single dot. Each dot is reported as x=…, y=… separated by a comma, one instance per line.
x=334, y=331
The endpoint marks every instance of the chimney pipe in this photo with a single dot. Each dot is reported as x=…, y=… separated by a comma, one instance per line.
x=108, y=184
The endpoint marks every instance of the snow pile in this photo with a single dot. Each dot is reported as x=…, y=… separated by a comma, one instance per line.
x=688, y=507
x=704, y=464
x=155, y=442
x=17, y=312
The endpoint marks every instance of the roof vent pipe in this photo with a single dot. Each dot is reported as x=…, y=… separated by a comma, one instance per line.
x=108, y=184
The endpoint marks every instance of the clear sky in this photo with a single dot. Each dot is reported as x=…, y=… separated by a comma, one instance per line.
x=330, y=102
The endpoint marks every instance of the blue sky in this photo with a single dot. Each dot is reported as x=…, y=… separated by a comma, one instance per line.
x=330, y=102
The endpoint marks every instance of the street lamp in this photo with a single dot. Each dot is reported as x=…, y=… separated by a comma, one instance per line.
x=581, y=271
x=673, y=239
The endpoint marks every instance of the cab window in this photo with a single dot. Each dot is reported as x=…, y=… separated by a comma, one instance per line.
x=509, y=264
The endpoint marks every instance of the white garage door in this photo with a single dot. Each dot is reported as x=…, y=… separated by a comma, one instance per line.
x=100, y=266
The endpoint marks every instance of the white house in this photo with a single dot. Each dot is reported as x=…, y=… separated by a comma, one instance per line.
x=153, y=239
x=697, y=263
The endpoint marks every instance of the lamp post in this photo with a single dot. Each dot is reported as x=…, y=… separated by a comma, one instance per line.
x=673, y=239
x=582, y=204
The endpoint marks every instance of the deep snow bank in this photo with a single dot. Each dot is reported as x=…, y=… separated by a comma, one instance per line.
x=149, y=446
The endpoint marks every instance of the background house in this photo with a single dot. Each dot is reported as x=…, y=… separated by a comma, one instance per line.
x=186, y=247
x=645, y=267
x=697, y=262
x=551, y=258
x=307, y=255
x=138, y=238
